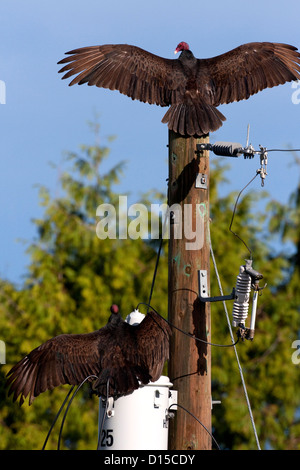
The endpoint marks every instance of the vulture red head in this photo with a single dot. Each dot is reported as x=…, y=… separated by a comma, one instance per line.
x=192, y=88
x=119, y=354
x=182, y=46
x=114, y=309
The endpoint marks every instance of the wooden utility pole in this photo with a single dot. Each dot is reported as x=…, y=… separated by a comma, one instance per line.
x=190, y=362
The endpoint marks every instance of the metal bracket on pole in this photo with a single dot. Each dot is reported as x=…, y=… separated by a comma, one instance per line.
x=203, y=289
x=215, y=402
x=201, y=181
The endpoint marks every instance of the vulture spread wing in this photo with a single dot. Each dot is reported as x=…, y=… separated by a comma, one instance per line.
x=250, y=68
x=191, y=87
x=65, y=359
x=120, y=353
x=129, y=69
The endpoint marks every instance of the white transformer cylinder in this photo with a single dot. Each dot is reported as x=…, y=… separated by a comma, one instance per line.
x=138, y=421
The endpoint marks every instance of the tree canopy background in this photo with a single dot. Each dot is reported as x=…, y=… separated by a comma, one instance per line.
x=74, y=277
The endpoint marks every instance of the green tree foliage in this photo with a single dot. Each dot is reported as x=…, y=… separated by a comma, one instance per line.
x=74, y=277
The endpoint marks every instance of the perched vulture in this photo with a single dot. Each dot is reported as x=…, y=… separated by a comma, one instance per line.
x=123, y=353
x=191, y=87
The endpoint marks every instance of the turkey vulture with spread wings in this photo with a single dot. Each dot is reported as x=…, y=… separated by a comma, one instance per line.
x=191, y=87
x=123, y=353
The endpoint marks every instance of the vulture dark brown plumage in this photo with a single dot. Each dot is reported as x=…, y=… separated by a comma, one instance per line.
x=191, y=87
x=123, y=353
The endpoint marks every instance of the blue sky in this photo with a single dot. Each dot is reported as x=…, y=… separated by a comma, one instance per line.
x=43, y=117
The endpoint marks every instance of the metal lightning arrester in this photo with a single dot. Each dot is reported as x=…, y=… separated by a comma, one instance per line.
x=247, y=279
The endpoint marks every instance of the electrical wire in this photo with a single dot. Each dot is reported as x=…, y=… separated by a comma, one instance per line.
x=66, y=411
x=187, y=411
x=158, y=257
x=57, y=416
x=234, y=211
x=155, y=270
x=283, y=150
x=68, y=407
x=100, y=426
x=184, y=332
x=190, y=336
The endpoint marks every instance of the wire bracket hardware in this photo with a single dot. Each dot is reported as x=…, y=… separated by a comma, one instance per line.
x=247, y=279
x=203, y=289
x=234, y=149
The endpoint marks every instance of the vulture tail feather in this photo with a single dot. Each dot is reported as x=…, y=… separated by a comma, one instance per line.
x=199, y=118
